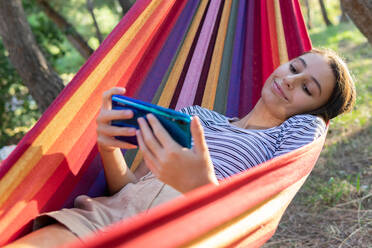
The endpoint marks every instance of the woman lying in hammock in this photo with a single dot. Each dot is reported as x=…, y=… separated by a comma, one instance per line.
x=297, y=100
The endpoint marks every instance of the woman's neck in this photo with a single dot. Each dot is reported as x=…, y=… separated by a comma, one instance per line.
x=259, y=118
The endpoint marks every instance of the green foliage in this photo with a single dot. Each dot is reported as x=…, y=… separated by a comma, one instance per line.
x=52, y=41
x=333, y=11
x=18, y=112
x=76, y=12
x=346, y=40
x=331, y=192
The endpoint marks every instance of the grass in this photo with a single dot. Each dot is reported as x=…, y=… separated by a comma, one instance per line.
x=334, y=206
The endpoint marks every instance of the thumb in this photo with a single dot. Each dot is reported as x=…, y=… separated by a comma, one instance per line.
x=198, y=135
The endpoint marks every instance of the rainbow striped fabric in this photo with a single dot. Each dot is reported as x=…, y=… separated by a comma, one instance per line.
x=216, y=54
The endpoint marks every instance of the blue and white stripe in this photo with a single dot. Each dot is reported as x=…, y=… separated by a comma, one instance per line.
x=234, y=149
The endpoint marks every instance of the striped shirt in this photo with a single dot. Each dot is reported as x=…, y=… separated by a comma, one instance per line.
x=233, y=149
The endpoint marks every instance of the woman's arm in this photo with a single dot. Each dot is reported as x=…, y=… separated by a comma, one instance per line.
x=182, y=168
x=116, y=170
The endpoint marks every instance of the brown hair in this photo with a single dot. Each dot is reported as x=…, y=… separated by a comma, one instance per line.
x=343, y=96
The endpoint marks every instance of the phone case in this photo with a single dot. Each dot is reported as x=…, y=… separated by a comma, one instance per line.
x=176, y=123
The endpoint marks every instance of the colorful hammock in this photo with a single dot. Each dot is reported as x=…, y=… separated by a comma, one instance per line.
x=174, y=53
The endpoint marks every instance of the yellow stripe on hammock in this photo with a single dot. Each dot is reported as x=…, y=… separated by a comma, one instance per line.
x=57, y=125
x=171, y=84
x=282, y=45
x=214, y=70
x=258, y=217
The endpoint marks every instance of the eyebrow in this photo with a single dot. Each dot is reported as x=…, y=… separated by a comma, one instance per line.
x=316, y=81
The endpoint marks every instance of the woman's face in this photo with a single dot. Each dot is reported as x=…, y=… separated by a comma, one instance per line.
x=298, y=86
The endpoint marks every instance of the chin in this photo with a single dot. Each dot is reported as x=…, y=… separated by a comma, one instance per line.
x=275, y=107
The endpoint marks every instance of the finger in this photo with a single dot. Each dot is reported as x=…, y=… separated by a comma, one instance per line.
x=147, y=155
x=108, y=115
x=197, y=133
x=106, y=97
x=109, y=130
x=112, y=142
x=148, y=137
x=160, y=133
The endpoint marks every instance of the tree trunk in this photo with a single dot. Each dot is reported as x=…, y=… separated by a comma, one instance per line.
x=324, y=13
x=308, y=15
x=72, y=35
x=38, y=76
x=360, y=12
x=344, y=17
x=90, y=7
x=125, y=5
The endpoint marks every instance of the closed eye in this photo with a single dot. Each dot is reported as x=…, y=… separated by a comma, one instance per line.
x=292, y=69
x=306, y=90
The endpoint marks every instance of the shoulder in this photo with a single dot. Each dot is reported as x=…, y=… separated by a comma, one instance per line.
x=305, y=124
x=297, y=131
x=306, y=120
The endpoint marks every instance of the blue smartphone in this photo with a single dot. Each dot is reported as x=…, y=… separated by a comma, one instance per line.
x=176, y=123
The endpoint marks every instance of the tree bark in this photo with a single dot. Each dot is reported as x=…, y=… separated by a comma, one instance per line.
x=125, y=5
x=324, y=13
x=72, y=35
x=344, y=17
x=43, y=82
x=308, y=15
x=90, y=7
x=360, y=12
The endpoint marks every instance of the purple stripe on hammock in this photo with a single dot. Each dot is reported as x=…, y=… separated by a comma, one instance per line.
x=245, y=104
x=207, y=63
x=94, y=180
x=236, y=66
x=253, y=64
x=163, y=61
x=98, y=188
x=190, y=85
x=89, y=178
x=186, y=65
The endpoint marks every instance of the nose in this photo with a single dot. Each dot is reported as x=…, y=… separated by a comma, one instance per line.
x=290, y=81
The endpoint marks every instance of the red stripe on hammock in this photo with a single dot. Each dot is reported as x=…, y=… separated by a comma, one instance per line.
x=207, y=205
x=154, y=48
x=266, y=50
x=297, y=40
x=273, y=33
x=79, y=78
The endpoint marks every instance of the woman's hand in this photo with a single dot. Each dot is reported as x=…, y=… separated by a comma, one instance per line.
x=182, y=168
x=105, y=132
x=116, y=170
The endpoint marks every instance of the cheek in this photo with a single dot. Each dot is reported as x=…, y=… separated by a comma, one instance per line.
x=267, y=81
x=305, y=104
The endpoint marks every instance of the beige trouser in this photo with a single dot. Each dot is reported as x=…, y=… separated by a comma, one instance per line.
x=92, y=214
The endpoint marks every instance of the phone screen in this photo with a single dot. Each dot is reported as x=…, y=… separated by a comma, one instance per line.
x=176, y=123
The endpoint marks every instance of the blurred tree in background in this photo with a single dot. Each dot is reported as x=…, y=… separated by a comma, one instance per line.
x=37, y=74
x=360, y=12
x=67, y=29
x=324, y=13
x=18, y=109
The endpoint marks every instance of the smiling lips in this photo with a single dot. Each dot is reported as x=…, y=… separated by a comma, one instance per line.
x=278, y=90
